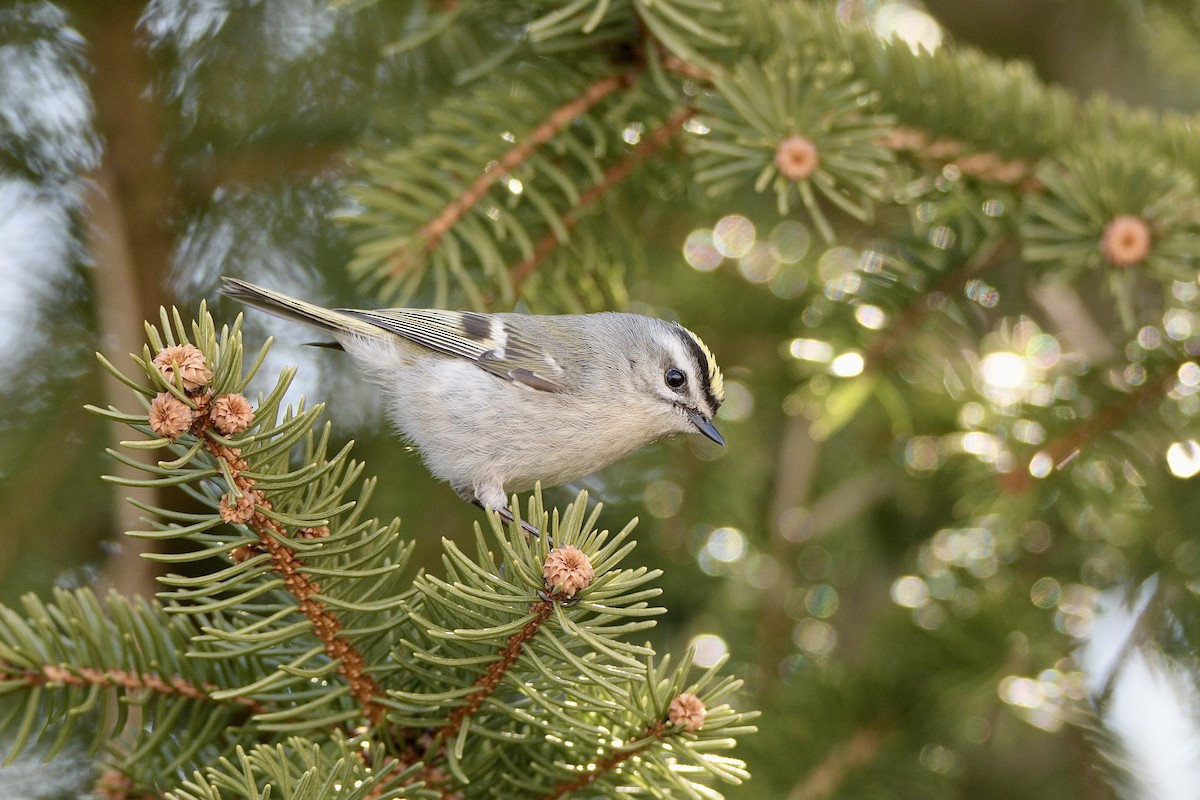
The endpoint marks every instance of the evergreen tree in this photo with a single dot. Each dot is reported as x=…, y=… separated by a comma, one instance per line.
x=958, y=311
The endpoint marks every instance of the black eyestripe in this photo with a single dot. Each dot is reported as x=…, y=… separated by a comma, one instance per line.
x=705, y=369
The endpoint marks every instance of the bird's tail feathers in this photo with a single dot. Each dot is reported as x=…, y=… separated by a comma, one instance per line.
x=297, y=310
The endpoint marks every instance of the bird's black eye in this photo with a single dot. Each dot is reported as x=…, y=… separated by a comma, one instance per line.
x=675, y=378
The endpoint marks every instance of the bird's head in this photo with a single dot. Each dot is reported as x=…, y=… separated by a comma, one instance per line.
x=682, y=376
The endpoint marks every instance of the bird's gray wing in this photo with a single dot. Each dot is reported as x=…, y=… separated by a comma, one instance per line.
x=490, y=341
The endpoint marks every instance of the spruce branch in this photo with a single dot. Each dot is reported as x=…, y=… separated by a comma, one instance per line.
x=300, y=769
x=605, y=766
x=114, y=785
x=126, y=680
x=915, y=281
x=488, y=682
x=938, y=154
x=800, y=125
x=431, y=233
x=325, y=624
x=948, y=284
x=63, y=660
x=517, y=655
x=852, y=754
x=292, y=533
x=1112, y=210
x=1067, y=446
x=613, y=176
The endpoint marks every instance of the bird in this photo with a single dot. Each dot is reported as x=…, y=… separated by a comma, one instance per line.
x=502, y=402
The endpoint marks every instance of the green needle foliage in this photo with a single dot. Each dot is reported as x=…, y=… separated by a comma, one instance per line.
x=796, y=99
x=958, y=310
x=291, y=614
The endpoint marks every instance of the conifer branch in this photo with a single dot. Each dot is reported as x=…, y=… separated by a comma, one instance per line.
x=51, y=674
x=495, y=672
x=944, y=152
x=949, y=284
x=114, y=785
x=432, y=778
x=605, y=766
x=854, y=753
x=613, y=176
x=685, y=69
x=433, y=231
x=1066, y=447
x=325, y=625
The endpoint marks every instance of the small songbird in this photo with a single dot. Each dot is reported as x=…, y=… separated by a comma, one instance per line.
x=496, y=403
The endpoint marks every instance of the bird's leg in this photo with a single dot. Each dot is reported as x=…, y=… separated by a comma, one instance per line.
x=506, y=515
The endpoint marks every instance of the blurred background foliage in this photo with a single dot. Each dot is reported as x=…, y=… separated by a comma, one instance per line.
x=952, y=544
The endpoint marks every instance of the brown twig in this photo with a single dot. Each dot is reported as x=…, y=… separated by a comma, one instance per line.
x=491, y=678
x=114, y=785
x=325, y=624
x=1064, y=448
x=614, y=175
x=124, y=679
x=677, y=66
x=854, y=753
x=604, y=766
x=949, y=283
x=942, y=152
x=430, y=773
x=433, y=777
x=432, y=232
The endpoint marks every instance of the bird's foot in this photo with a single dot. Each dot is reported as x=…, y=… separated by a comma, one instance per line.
x=507, y=516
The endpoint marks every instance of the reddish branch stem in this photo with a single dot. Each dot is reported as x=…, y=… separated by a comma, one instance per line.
x=430, y=773
x=325, y=624
x=113, y=785
x=604, y=766
x=949, y=284
x=1066, y=447
x=614, y=175
x=124, y=679
x=982, y=165
x=846, y=757
x=432, y=232
x=495, y=672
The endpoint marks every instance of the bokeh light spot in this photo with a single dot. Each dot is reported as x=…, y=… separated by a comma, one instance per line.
x=810, y=350
x=1183, y=458
x=1189, y=374
x=814, y=636
x=733, y=235
x=847, y=365
x=982, y=293
x=821, y=600
x=910, y=591
x=663, y=499
x=700, y=252
x=1043, y=351
x=870, y=317
x=1004, y=370
x=921, y=453
x=908, y=23
x=1045, y=593
x=1041, y=464
x=739, y=402
x=726, y=544
x=709, y=649
x=760, y=264
x=791, y=241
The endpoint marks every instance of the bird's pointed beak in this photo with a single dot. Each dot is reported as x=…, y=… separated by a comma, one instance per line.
x=705, y=426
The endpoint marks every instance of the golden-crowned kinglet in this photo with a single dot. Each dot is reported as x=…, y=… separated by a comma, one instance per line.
x=498, y=402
